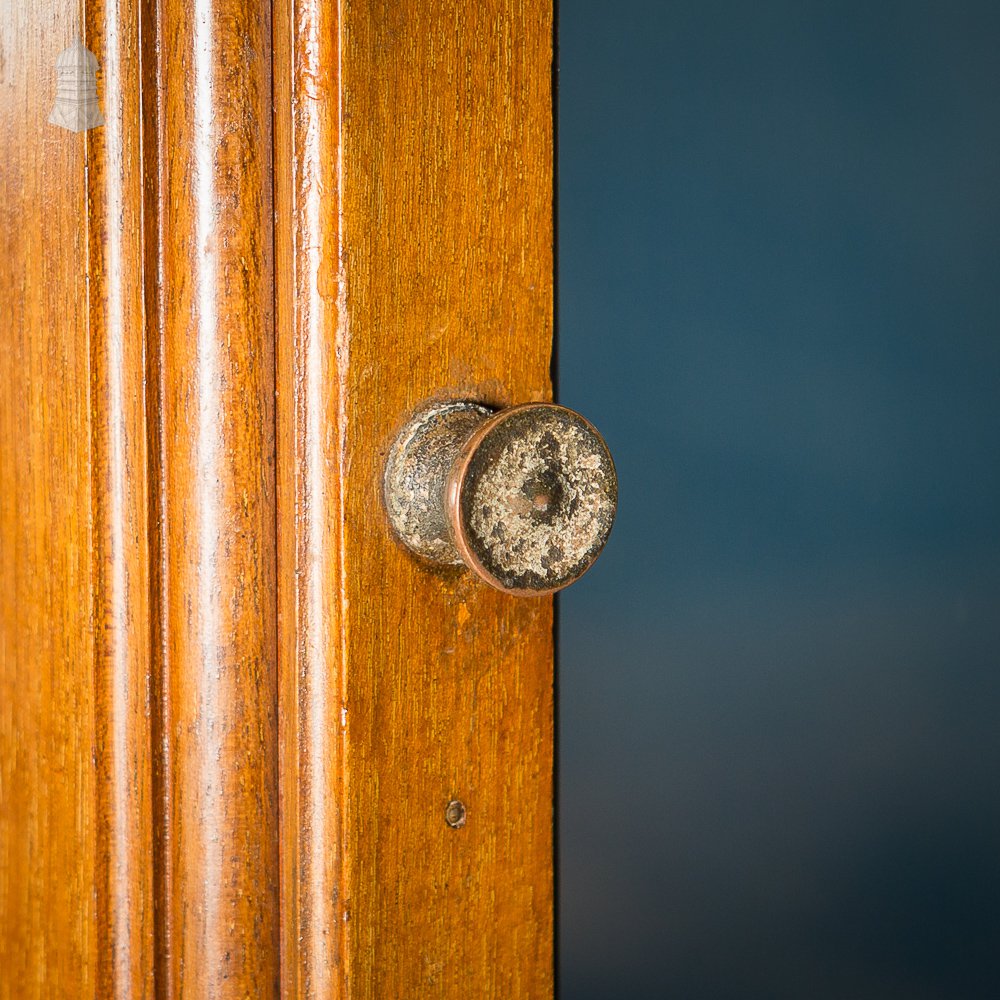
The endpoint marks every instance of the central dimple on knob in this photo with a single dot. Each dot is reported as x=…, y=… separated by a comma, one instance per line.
x=543, y=494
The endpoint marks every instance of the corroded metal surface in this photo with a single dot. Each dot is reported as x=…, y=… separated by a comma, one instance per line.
x=525, y=497
x=416, y=472
x=533, y=498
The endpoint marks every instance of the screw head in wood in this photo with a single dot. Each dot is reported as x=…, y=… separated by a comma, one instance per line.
x=455, y=814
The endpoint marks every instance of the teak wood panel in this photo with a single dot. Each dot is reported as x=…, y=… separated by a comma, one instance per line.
x=48, y=925
x=75, y=771
x=234, y=711
x=414, y=250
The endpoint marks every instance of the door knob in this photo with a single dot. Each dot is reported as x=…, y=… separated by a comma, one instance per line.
x=524, y=497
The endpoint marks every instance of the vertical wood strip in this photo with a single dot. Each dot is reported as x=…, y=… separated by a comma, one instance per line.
x=447, y=236
x=414, y=253
x=154, y=157
x=119, y=512
x=307, y=254
x=218, y=490
x=48, y=828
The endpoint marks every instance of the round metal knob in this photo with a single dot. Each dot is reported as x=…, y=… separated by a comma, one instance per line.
x=524, y=497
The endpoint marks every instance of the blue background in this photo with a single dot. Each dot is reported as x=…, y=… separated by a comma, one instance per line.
x=779, y=298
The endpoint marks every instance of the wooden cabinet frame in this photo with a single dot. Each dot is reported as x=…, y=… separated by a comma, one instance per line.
x=235, y=711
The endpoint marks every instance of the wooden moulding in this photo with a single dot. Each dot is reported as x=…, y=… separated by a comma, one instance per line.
x=50, y=936
x=300, y=222
x=311, y=343
x=215, y=582
x=120, y=511
x=413, y=197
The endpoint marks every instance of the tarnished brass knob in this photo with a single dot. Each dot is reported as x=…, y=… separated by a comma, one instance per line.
x=524, y=497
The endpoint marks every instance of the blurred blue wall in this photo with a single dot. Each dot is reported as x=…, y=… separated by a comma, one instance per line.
x=779, y=297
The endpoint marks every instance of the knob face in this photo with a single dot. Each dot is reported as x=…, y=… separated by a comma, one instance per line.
x=532, y=498
x=524, y=497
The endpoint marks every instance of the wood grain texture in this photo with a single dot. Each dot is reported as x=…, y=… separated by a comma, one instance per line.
x=414, y=249
x=154, y=164
x=217, y=501
x=310, y=499
x=75, y=913
x=121, y=577
x=48, y=922
x=164, y=591
x=447, y=175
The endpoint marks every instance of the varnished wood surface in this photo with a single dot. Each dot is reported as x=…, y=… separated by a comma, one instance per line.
x=201, y=600
x=310, y=348
x=414, y=252
x=216, y=369
x=121, y=577
x=48, y=847
x=75, y=913
x=154, y=165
